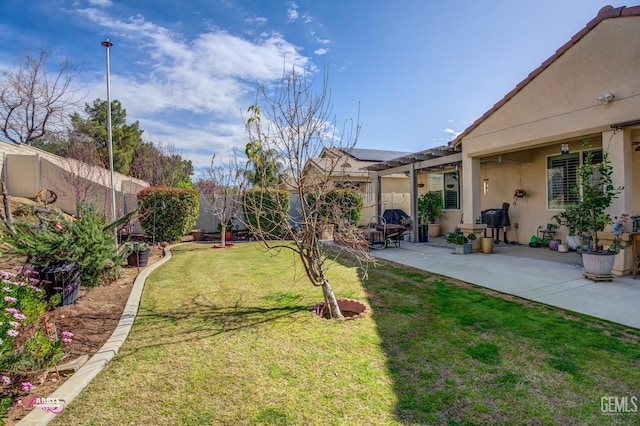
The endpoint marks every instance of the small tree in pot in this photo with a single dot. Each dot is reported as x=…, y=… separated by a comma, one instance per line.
x=597, y=193
x=429, y=209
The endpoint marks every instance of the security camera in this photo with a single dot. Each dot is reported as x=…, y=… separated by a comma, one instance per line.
x=606, y=98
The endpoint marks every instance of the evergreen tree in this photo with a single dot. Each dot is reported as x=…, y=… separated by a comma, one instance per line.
x=126, y=137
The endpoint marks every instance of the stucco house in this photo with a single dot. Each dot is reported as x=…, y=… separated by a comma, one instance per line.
x=532, y=139
x=347, y=169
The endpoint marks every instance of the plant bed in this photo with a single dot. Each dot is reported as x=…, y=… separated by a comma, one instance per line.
x=351, y=309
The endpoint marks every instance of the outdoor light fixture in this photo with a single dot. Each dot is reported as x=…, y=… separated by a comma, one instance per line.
x=107, y=44
x=606, y=98
x=564, y=149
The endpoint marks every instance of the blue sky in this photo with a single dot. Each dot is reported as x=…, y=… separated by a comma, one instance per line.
x=419, y=71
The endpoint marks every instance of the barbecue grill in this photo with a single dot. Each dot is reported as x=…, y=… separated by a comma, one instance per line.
x=496, y=219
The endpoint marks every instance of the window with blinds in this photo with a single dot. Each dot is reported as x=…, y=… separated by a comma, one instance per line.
x=562, y=178
x=447, y=184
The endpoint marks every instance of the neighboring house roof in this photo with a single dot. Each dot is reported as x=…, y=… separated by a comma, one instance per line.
x=606, y=12
x=343, y=167
x=410, y=158
x=376, y=155
x=350, y=162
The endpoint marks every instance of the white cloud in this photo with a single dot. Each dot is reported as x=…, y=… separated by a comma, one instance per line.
x=452, y=132
x=321, y=51
x=292, y=12
x=257, y=20
x=192, y=92
x=103, y=3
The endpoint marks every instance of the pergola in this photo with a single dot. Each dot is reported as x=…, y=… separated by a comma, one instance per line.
x=430, y=160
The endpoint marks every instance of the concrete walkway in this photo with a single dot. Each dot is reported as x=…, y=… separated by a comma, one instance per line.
x=540, y=275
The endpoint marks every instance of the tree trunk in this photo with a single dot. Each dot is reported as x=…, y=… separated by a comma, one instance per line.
x=7, y=204
x=330, y=301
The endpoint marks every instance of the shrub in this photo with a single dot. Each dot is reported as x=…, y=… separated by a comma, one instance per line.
x=87, y=241
x=266, y=211
x=429, y=206
x=168, y=214
x=339, y=205
x=28, y=343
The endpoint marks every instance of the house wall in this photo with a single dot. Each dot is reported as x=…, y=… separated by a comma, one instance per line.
x=559, y=106
x=560, y=103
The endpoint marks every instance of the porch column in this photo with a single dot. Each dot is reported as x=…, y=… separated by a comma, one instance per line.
x=471, y=191
x=413, y=184
x=378, y=180
x=618, y=144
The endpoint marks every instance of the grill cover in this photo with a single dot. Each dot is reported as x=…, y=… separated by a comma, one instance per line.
x=496, y=218
x=394, y=216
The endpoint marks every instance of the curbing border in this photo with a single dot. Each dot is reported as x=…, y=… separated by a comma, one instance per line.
x=71, y=388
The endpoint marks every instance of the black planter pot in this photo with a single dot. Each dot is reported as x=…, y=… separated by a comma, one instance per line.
x=139, y=258
x=64, y=278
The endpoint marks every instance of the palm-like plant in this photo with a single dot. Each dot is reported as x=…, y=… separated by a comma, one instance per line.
x=267, y=166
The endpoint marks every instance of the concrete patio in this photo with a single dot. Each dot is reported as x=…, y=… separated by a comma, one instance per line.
x=537, y=274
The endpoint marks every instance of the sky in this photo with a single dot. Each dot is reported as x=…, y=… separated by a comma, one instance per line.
x=415, y=72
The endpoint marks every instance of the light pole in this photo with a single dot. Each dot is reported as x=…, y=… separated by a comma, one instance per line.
x=107, y=44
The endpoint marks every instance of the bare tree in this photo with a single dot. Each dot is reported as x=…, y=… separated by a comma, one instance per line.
x=85, y=170
x=161, y=164
x=298, y=124
x=222, y=185
x=35, y=102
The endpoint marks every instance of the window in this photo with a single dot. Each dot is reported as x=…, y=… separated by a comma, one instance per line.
x=448, y=185
x=562, y=177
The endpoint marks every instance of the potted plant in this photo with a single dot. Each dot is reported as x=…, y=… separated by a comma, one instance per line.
x=597, y=194
x=228, y=229
x=137, y=254
x=429, y=209
x=197, y=234
x=463, y=246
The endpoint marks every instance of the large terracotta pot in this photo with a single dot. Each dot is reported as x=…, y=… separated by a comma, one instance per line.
x=197, y=234
x=434, y=230
x=599, y=264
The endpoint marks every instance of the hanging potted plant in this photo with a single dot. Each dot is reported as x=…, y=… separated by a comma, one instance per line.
x=429, y=209
x=597, y=194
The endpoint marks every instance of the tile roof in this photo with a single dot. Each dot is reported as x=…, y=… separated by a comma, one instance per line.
x=606, y=12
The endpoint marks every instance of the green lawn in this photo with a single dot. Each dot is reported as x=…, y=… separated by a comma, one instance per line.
x=227, y=337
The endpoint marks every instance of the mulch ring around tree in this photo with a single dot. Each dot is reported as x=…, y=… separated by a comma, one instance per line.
x=351, y=309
